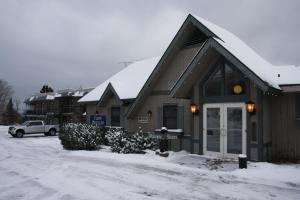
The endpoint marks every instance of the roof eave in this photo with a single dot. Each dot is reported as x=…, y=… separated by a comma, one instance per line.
x=189, y=19
x=109, y=87
x=228, y=55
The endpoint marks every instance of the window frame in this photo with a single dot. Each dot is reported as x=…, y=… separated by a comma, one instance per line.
x=36, y=123
x=226, y=95
x=165, y=106
x=112, y=123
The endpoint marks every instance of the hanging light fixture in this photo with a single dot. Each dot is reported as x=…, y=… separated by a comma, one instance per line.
x=194, y=109
x=250, y=107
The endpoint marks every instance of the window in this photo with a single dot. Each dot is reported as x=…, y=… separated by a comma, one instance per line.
x=297, y=106
x=214, y=87
x=39, y=123
x=115, y=116
x=170, y=116
x=254, y=135
x=223, y=81
x=233, y=78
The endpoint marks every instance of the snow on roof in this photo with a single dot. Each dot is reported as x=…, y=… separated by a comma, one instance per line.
x=50, y=97
x=288, y=75
x=60, y=93
x=78, y=94
x=262, y=68
x=127, y=83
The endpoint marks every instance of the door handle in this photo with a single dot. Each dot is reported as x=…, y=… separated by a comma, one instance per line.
x=223, y=131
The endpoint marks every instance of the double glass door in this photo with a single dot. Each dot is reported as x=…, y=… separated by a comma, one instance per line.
x=224, y=127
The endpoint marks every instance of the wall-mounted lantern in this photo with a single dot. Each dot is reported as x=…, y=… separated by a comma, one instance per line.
x=250, y=107
x=149, y=113
x=194, y=109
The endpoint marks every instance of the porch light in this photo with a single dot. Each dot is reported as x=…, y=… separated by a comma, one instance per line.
x=194, y=108
x=250, y=107
x=149, y=113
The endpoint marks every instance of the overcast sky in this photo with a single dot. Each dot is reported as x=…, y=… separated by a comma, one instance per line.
x=81, y=43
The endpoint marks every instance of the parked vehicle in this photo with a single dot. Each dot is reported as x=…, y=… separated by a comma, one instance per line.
x=33, y=127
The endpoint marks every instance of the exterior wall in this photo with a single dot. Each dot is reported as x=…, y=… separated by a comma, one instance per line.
x=155, y=104
x=284, y=127
x=55, y=111
x=91, y=109
x=175, y=68
x=159, y=97
x=254, y=147
x=252, y=94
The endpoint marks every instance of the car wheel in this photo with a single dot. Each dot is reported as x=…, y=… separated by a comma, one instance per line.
x=52, y=132
x=19, y=134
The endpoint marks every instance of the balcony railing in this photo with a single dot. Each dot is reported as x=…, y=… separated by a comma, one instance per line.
x=40, y=112
x=70, y=109
x=62, y=109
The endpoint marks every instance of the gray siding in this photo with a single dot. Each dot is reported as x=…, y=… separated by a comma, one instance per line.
x=175, y=69
x=285, y=129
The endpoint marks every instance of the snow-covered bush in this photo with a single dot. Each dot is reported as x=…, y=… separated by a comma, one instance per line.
x=122, y=142
x=78, y=136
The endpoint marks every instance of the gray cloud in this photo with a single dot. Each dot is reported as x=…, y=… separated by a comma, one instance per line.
x=80, y=43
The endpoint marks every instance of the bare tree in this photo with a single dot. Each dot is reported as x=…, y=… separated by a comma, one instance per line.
x=6, y=93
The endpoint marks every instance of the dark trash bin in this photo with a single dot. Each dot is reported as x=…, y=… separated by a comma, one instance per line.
x=242, y=161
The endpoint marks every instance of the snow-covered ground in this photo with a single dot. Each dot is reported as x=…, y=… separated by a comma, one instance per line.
x=38, y=168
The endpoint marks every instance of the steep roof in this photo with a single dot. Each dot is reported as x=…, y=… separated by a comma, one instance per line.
x=263, y=71
x=262, y=68
x=127, y=83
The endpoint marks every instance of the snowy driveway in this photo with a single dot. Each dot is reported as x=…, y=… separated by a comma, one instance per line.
x=38, y=168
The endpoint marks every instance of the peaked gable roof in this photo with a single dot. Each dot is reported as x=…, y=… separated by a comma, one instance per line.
x=262, y=68
x=127, y=83
x=266, y=75
x=107, y=92
x=263, y=71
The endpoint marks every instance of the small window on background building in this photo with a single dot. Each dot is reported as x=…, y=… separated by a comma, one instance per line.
x=170, y=116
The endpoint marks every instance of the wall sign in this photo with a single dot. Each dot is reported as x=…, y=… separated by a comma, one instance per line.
x=143, y=119
x=98, y=120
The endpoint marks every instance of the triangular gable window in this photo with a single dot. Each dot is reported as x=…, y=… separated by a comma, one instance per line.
x=225, y=80
x=214, y=86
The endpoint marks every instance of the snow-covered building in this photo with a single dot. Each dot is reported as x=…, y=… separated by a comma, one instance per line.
x=109, y=102
x=56, y=107
x=214, y=93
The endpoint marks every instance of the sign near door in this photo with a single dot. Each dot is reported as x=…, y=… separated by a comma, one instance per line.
x=98, y=120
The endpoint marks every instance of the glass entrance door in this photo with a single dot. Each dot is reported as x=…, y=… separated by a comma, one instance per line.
x=224, y=129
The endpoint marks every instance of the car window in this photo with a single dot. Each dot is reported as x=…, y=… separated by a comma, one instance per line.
x=36, y=124
x=25, y=123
